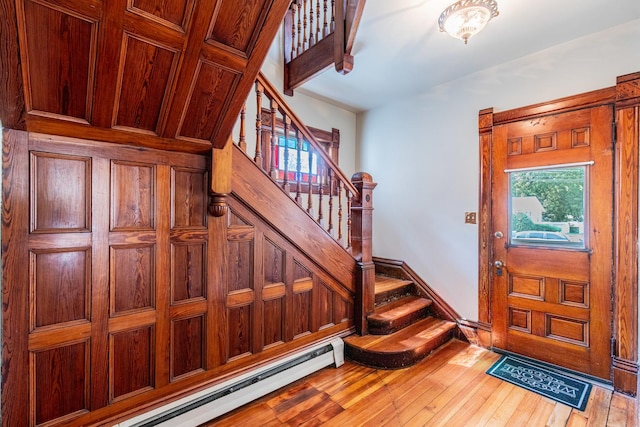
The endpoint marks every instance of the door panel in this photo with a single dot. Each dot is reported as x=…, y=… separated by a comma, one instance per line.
x=552, y=204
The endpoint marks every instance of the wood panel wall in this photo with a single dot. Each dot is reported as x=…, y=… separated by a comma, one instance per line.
x=119, y=291
x=169, y=74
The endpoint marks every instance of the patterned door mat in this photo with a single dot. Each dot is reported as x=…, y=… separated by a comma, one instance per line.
x=554, y=385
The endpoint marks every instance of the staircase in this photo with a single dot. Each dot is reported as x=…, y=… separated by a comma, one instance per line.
x=402, y=329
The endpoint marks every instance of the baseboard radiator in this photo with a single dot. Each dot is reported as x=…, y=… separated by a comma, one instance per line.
x=207, y=404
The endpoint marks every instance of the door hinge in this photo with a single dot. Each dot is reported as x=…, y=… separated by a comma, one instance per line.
x=613, y=347
x=614, y=132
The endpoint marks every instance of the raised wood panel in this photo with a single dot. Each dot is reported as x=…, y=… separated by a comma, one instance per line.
x=527, y=287
x=324, y=307
x=132, y=368
x=563, y=329
x=132, y=278
x=301, y=316
x=133, y=196
x=173, y=13
x=240, y=331
x=189, y=201
x=545, y=142
x=61, y=286
x=520, y=319
x=60, y=383
x=273, y=325
x=60, y=193
x=236, y=23
x=572, y=293
x=207, y=101
x=145, y=77
x=60, y=50
x=273, y=263
x=240, y=265
x=187, y=346
x=580, y=137
x=188, y=267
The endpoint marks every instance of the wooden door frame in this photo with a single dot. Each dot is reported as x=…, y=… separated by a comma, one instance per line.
x=625, y=98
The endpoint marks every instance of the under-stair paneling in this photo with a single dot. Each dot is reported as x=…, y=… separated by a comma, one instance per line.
x=120, y=291
x=171, y=74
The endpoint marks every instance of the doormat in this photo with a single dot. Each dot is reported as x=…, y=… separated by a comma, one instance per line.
x=554, y=385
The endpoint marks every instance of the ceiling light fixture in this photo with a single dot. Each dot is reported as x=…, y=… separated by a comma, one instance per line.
x=466, y=18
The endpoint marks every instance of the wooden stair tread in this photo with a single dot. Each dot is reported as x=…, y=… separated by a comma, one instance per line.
x=407, y=339
x=399, y=308
x=388, y=284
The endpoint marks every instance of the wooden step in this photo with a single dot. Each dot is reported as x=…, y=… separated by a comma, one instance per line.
x=394, y=316
x=390, y=288
x=402, y=348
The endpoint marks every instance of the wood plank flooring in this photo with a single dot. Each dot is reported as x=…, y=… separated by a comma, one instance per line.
x=448, y=388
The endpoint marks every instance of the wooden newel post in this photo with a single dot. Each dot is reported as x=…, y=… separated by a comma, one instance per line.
x=220, y=179
x=362, y=250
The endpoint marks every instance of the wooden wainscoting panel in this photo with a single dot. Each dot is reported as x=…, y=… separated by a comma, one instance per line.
x=132, y=362
x=60, y=52
x=60, y=380
x=187, y=346
x=144, y=85
x=173, y=13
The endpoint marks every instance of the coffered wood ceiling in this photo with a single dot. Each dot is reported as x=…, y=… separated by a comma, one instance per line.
x=169, y=74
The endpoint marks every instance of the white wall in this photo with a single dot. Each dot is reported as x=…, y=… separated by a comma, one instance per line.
x=423, y=152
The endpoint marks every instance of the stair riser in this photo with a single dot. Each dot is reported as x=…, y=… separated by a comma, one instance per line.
x=386, y=328
x=395, y=294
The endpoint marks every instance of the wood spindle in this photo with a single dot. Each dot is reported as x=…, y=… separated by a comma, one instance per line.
x=330, y=214
x=305, y=45
x=258, y=156
x=299, y=51
x=317, y=21
x=333, y=15
x=285, y=181
x=273, y=172
x=339, y=187
x=320, y=190
x=310, y=184
x=349, y=202
x=299, y=168
x=294, y=8
x=242, y=143
x=312, y=38
x=325, y=26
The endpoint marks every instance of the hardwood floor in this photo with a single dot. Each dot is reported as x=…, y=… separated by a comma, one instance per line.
x=448, y=388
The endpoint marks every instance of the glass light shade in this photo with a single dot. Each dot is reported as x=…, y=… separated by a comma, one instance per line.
x=466, y=18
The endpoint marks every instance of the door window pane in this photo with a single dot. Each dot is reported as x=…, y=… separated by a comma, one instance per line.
x=547, y=207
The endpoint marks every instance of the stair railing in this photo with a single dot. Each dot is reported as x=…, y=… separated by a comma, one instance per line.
x=286, y=150
x=318, y=33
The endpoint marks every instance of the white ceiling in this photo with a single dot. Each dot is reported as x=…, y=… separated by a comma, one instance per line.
x=399, y=49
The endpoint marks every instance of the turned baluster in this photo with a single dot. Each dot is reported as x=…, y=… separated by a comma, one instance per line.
x=304, y=29
x=285, y=181
x=273, y=172
x=330, y=188
x=298, y=168
x=258, y=157
x=294, y=8
x=310, y=184
x=299, y=51
x=339, y=187
x=312, y=39
x=317, y=20
x=320, y=190
x=349, y=197
x=242, y=143
x=325, y=27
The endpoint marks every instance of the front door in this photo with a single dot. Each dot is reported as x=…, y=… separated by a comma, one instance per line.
x=552, y=203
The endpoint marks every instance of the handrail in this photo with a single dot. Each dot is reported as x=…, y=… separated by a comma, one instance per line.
x=284, y=108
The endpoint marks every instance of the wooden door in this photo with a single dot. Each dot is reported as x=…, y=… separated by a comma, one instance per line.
x=552, y=203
